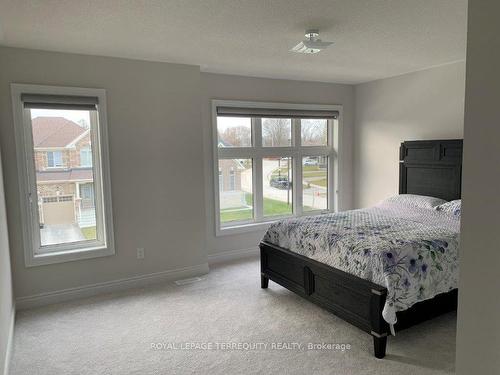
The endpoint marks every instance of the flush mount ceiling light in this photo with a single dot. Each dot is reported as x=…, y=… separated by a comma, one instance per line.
x=312, y=43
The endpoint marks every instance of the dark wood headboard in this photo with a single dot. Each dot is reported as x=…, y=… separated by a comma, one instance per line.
x=432, y=168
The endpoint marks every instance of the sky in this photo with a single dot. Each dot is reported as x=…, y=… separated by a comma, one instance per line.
x=225, y=122
x=71, y=115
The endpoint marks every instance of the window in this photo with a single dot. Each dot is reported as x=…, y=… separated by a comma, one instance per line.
x=234, y=132
x=315, y=183
x=277, y=186
x=86, y=157
x=54, y=159
x=273, y=161
x=276, y=132
x=87, y=198
x=236, y=202
x=314, y=132
x=221, y=180
x=66, y=211
x=232, y=179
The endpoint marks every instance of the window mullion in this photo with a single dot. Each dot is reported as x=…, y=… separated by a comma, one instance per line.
x=297, y=169
x=332, y=204
x=333, y=174
x=296, y=141
x=257, y=169
x=257, y=133
x=258, y=201
x=235, y=152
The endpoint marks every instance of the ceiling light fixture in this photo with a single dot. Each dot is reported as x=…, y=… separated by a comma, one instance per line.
x=312, y=43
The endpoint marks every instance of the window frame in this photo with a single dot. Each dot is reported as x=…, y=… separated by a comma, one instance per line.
x=221, y=179
x=59, y=152
x=232, y=179
x=257, y=152
x=25, y=165
x=86, y=150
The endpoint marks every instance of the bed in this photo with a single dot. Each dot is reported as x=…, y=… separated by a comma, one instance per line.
x=385, y=268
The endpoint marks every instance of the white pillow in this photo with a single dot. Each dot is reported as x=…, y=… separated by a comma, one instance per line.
x=413, y=200
x=453, y=207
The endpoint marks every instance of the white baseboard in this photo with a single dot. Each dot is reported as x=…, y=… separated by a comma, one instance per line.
x=225, y=256
x=10, y=342
x=109, y=286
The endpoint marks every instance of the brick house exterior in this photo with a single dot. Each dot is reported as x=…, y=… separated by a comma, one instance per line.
x=230, y=174
x=70, y=154
x=231, y=184
x=63, y=162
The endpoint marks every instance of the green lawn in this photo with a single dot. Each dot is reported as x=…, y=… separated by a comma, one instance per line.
x=240, y=215
x=89, y=233
x=313, y=171
x=272, y=207
x=314, y=174
x=311, y=168
x=321, y=182
x=308, y=171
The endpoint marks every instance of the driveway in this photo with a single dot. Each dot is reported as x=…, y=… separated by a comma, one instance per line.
x=314, y=197
x=60, y=233
x=268, y=166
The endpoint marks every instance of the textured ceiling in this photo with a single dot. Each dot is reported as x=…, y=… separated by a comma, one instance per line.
x=373, y=38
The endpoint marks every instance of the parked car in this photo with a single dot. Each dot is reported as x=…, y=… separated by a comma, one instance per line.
x=310, y=162
x=281, y=182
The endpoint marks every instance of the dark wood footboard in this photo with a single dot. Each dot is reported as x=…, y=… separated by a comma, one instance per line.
x=357, y=301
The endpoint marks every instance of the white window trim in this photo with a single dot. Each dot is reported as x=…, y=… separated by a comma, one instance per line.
x=334, y=160
x=232, y=179
x=72, y=251
x=54, y=166
x=86, y=150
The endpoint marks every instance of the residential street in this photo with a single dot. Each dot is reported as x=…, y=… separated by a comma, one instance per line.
x=315, y=196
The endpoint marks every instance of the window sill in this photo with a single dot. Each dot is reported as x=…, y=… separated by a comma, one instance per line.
x=68, y=256
x=260, y=226
x=243, y=228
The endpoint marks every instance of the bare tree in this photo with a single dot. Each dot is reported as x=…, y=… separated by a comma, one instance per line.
x=314, y=132
x=276, y=131
x=83, y=123
x=236, y=136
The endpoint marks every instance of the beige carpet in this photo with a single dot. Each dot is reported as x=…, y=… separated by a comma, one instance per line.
x=112, y=334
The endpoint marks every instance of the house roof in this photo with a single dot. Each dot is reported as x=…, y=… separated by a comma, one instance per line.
x=224, y=143
x=54, y=131
x=76, y=174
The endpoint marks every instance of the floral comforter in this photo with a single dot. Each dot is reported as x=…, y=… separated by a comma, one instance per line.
x=412, y=252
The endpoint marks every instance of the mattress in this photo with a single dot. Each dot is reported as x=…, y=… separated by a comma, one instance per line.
x=413, y=252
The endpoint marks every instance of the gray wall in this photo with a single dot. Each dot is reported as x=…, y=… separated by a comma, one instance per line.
x=6, y=298
x=478, y=338
x=218, y=86
x=423, y=105
x=160, y=153
x=156, y=164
